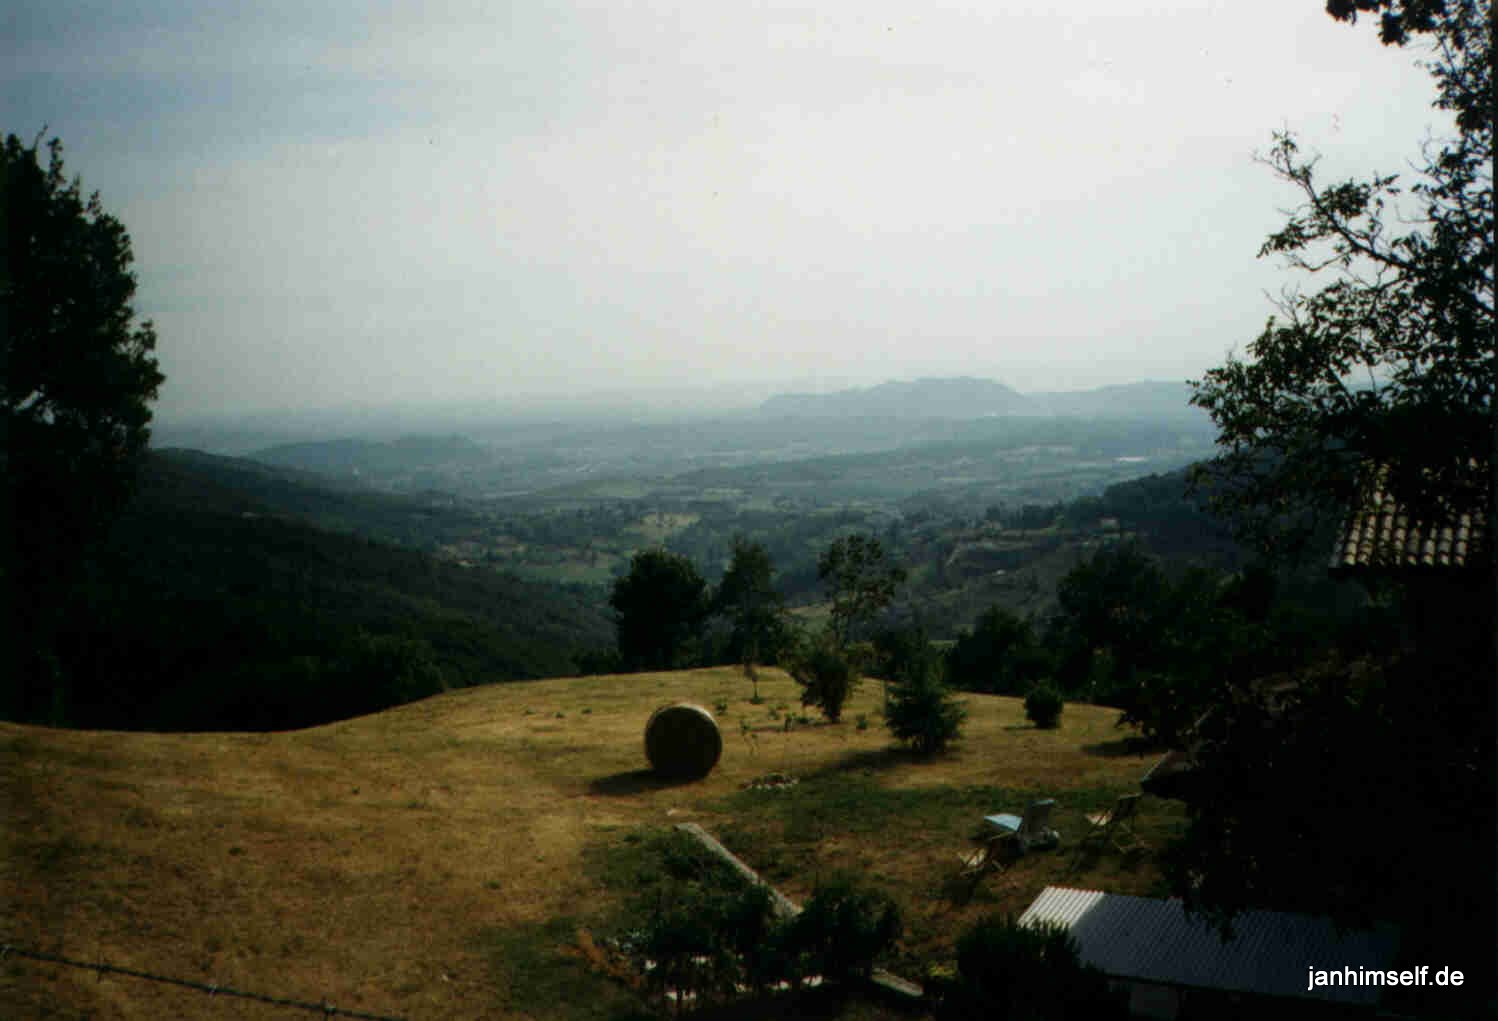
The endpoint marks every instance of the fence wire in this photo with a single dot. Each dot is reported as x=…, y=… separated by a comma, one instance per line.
x=324, y=1008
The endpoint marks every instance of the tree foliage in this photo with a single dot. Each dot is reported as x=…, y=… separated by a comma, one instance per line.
x=843, y=929
x=1043, y=706
x=205, y=609
x=1398, y=19
x=1001, y=655
x=861, y=579
x=76, y=380
x=753, y=608
x=659, y=607
x=1290, y=777
x=1109, y=620
x=826, y=673
x=711, y=934
x=922, y=710
x=1393, y=361
x=1023, y=972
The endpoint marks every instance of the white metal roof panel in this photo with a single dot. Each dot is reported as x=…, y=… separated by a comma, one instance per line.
x=1270, y=953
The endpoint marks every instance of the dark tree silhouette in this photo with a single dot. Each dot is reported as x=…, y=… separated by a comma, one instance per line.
x=862, y=581
x=76, y=380
x=748, y=600
x=1000, y=655
x=1393, y=363
x=659, y=605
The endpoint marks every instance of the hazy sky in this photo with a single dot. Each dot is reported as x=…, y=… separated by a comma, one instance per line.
x=358, y=203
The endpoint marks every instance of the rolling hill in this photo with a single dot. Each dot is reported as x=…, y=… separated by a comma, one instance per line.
x=965, y=397
x=961, y=397
x=468, y=855
x=214, y=605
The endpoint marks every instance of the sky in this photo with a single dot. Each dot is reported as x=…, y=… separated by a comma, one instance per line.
x=488, y=204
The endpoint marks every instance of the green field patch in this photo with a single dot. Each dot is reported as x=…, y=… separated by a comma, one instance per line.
x=541, y=969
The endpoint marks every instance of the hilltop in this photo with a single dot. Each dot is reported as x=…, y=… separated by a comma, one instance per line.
x=966, y=397
x=454, y=858
x=961, y=397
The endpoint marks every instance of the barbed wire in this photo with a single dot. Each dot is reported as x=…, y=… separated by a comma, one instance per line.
x=212, y=989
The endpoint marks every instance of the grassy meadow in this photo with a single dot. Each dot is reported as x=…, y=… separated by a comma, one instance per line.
x=460, y=857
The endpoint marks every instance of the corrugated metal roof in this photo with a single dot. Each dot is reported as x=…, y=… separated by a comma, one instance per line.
x=1270, y=953
x=1379, y=533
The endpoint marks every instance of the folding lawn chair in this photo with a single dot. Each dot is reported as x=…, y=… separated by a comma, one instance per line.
x=1115, y=826
x=995, y=854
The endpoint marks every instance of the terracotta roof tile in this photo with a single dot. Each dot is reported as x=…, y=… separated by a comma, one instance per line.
x=1380, y=534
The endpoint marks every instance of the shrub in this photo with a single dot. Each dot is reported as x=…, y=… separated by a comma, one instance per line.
x=709, y=933
x=842, y=929
x=697, y=936
x=923, y=713
x=706, y=930
x=1028, y=973
x=1043, y=706
x=827, y=676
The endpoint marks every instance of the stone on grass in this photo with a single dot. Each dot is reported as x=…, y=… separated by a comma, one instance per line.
x=682, y=741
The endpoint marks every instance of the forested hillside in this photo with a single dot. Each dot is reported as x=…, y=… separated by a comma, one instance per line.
x=204, y=609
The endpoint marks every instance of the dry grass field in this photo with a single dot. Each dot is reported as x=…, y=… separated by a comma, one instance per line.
x=440, y=859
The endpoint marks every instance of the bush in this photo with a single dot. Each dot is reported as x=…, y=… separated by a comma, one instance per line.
x=710, y=933
x=826, y=674
x=842, y=929
x=706, y=940
x=1027, y=973
x=923, y=713
x=706, y=928
x=1043, y=706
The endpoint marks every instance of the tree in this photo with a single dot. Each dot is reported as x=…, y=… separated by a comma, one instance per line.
x=843, y=928
x=1111, y=603
x=826, y=673
x=754, y=609
x=922, y=710
x=861, y=580
x=659, y=605
x=1392, y=365
x=1000, y=655
x=1397, y=18
x=76, y=381
x=1394, y=362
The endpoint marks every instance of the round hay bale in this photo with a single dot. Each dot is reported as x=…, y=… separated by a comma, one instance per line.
x=682, y=741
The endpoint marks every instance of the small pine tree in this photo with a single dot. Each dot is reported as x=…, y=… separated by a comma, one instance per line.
x=923, y=712
x=826, y=674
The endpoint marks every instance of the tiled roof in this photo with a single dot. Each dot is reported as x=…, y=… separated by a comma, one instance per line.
x=1149, y=940
x=1379, y=533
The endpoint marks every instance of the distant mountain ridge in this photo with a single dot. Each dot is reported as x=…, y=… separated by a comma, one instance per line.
x=967, y=397
x=921, y=398
x=351, y=457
